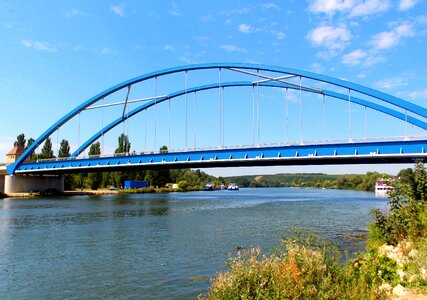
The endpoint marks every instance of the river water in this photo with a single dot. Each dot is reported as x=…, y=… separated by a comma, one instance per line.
x=152, y=246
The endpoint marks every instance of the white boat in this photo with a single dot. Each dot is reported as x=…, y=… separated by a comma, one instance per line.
x=233, y=187
x=382, y=186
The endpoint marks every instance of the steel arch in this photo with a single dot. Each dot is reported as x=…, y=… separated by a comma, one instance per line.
x=355, y=100
x=245, y=66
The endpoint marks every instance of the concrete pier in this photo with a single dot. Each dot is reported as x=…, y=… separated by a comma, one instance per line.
x=14, y=184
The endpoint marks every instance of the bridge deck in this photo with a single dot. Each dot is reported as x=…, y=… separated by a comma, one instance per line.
x=347, y=153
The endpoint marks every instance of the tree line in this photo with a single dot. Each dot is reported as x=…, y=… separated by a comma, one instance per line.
x=186, y=178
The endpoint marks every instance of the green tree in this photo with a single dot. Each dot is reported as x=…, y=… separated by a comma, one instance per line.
x=64, y=149
x=158, y=177
x=80, y=180
x=20, y=140
x=124, y=144
x=47, y=151
x=164, y=149
x=29, y=142
x=95, y=179
x=95, y=149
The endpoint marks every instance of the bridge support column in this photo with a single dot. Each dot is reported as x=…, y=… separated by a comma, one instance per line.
x=15, y=184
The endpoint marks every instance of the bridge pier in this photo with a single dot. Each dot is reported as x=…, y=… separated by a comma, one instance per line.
x=15, y=184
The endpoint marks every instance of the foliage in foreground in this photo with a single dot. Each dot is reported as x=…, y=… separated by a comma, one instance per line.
x=305, y=268
x=301, y=269
x=407, y=218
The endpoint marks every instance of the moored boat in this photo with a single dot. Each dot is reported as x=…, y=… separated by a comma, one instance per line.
x=233, y=187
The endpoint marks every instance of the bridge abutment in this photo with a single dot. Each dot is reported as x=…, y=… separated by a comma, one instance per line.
x=16, y=184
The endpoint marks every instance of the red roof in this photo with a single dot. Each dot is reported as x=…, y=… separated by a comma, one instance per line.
x=17, y=150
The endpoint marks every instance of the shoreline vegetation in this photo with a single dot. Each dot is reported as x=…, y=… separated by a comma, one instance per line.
x=393, y=266
x=195, y=180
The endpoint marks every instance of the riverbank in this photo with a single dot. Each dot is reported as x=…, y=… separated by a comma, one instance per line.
x=99, y=192
x=394, y=265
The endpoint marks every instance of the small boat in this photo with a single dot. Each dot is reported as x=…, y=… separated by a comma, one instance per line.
x=233, y=187
x=208, y=187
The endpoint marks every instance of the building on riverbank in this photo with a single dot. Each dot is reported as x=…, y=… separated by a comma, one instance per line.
x=14, y=154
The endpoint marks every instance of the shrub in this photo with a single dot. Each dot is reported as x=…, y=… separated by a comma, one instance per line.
x=407, y=218
x=304, y=268
x=183, y=186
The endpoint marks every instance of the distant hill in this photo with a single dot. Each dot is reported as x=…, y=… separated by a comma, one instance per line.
x=315, y=180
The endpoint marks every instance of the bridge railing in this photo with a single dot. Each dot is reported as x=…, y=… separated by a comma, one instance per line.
x=243, y=146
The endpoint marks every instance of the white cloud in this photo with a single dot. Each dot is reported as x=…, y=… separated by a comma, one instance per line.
x=175, y=11
x=118, y=10
x=78, y=48
x=233, y=48
x=106, y=50
x=373, y=59
x=270, y=5
x=354, y=58
x=330, y=37
x=389, y=39
x=168, y=48
x=392, y=83
x=245, y=28
x=317, y=68
x=279, y=34
x=407, y=4
x=228, y=22
x=206, y=18
x=39, y=45
x=75, y=13
x=330, y=6
x=418, y=94
x=369, y=7
x=354, y=8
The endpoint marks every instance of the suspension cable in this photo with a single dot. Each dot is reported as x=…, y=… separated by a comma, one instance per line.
x=349, y=116
x=186, y=110
x=253, y=114
x=220, y=107
x=57, y=141
x=258, y=115
x=102, y=127
x=194, y=121
x=155, y=114
x=300, y=110
x=324, y=117
x=78, y=134
x=287, y=115
x=406, y=124
x=222, y=114
x=366, y=123
x=169, y=121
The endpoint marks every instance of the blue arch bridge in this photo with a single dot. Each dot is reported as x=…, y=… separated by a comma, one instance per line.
x=230, y=114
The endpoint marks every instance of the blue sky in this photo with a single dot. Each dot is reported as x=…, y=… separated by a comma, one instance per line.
x=57, y=54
